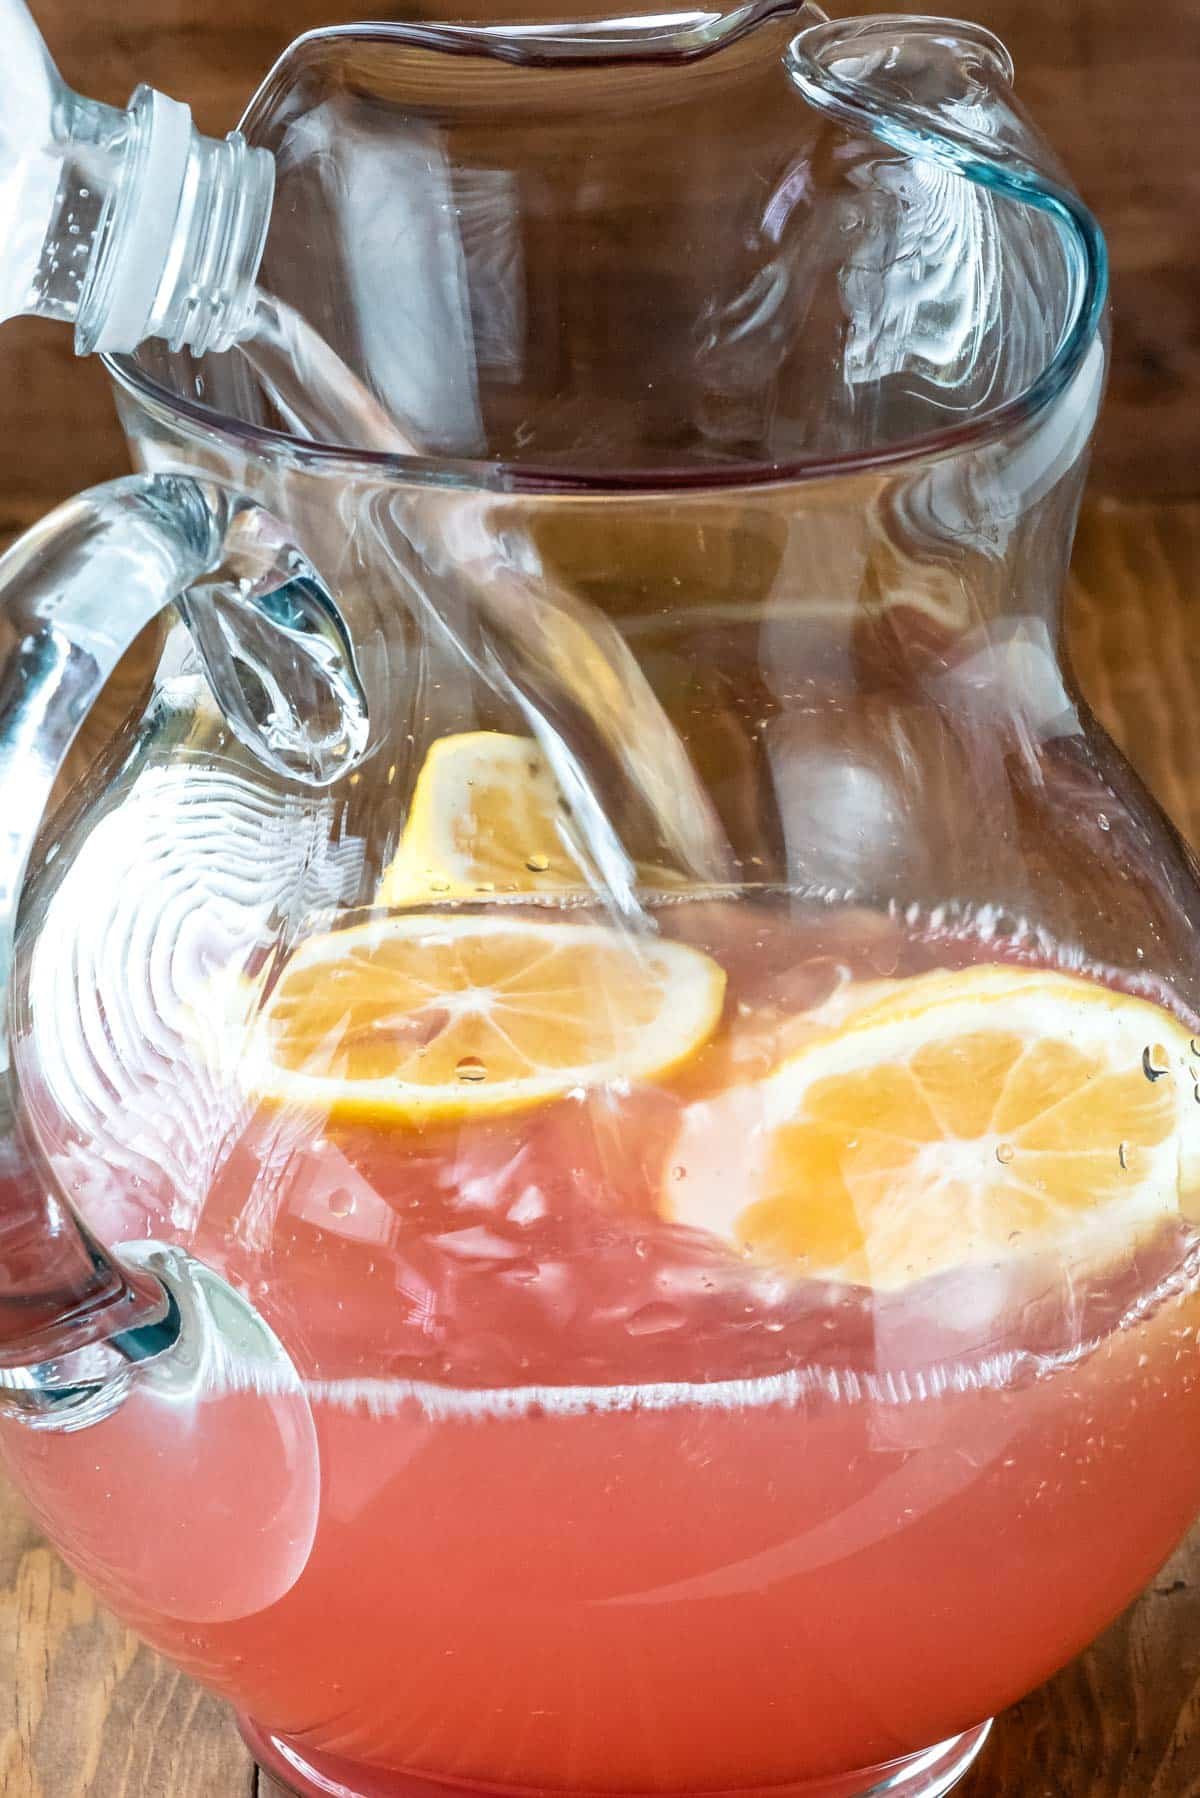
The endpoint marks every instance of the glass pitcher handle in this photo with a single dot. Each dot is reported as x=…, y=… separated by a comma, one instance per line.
x=74, y=593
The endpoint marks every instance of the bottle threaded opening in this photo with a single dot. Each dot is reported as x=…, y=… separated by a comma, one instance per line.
x=208, y=300
x=184, y=238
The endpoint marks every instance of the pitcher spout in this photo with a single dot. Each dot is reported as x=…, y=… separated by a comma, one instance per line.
x=940, y=92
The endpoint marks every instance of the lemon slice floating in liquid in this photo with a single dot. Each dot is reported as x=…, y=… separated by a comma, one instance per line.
x=487, y=817
x=425, y=1018
x=483, y=819
x=958, y=1117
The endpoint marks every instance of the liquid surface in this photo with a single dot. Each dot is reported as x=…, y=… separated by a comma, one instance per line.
x=611, y=1500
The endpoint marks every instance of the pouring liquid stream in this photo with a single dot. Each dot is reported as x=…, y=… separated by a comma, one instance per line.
x=552, y=659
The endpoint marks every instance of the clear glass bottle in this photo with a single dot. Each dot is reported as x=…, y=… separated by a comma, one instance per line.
x=127, y=224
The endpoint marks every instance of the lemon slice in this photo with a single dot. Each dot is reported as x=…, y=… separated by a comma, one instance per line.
x=956, y=1117
x=484, y=818
x=421, y=1018
x=487, y=817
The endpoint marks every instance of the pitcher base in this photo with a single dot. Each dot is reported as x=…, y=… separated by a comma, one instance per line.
x=296, y=1774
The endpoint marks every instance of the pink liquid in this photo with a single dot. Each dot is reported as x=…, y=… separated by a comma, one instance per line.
x=599, y=1506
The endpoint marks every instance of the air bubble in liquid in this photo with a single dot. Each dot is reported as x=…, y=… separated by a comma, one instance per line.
x=1154, y=1061
x=469, y=1067
x=655, y=1320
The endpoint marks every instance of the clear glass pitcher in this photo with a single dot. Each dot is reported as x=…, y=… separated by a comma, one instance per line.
x=602, y=1140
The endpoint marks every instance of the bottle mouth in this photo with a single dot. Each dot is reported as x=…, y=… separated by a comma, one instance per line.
x=180, y=253
x=207, y=303
x=933, y=93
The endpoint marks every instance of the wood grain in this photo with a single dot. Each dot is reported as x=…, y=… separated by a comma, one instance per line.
x=91, y=1714
x=1132, y=607
x=1123, y=1721
x=86, y=1711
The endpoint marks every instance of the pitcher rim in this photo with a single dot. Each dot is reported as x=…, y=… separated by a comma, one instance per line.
x=970, y=161
x=267, y=444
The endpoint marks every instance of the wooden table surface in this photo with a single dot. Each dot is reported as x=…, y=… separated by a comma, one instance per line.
x=85, y=1711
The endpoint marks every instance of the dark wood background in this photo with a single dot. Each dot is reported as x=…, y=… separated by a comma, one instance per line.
x=85, y=1711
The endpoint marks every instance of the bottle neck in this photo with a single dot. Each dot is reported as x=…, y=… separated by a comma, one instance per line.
x=153, y=230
